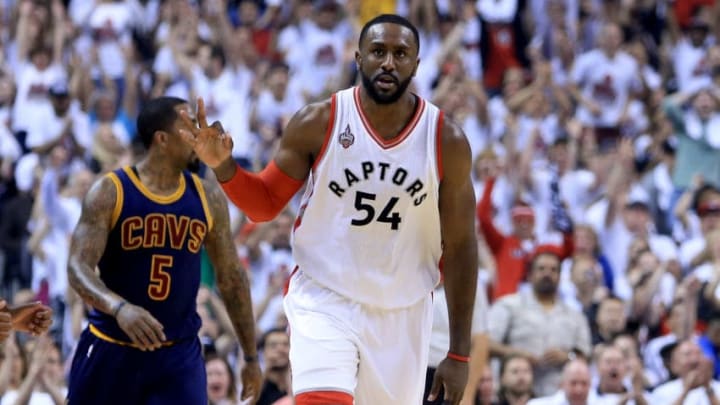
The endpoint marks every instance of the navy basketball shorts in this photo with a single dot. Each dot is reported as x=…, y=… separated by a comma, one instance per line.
x=108, y=373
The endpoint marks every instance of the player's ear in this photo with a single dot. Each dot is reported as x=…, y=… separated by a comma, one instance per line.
x=358, y=59
x=161, y=137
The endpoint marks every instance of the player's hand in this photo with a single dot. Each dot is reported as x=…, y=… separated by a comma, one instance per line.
x=251, y=382
x=5, y=321
x=142, y=328
x=452, y=375
x=33, y=318
x=210, y=142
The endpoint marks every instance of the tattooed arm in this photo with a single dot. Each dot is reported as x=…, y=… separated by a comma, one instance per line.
x=234, y=286
x=88, y=244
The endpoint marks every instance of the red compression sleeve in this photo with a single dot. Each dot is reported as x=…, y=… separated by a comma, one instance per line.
x=263, y=195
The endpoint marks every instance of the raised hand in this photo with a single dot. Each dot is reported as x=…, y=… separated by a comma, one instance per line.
x=251, y=382
x=34, y=318
x=211, y=144
x=452, y=375
x=141, y=327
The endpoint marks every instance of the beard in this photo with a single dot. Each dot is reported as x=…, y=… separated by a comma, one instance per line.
x=193, y=165
x=279, y=368
x=545, y=287
x=384, y=98
x=519, y=390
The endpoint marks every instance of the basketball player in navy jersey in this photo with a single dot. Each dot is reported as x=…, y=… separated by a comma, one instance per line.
x=389, y=193
x=142, y=228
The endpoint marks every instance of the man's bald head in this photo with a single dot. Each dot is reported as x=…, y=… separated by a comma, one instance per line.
x=576, y=382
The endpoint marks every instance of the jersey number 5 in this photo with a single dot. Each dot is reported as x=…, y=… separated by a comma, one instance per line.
x=386, y=215
x=159, y=287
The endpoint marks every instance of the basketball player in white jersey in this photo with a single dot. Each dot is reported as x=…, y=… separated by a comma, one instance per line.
x=388, y=194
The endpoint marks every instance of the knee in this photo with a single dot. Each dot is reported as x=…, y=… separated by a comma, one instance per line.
x=324, y=398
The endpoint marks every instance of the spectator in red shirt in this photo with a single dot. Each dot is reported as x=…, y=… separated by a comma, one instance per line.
x=511, y=252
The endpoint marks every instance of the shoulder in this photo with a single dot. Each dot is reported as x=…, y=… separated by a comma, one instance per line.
x=451, y=130
x=455, y=148
x=104, y=190
x=101, y=201
x=213, y=193
x=668, y=388
x=313, y=116
x=509, y=301
x=625, y=57
x=308, y=128
x=582, y=60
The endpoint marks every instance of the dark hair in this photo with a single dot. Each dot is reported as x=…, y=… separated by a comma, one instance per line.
x=263, y=339
x=216, y=52
x=502, y=391
x=701, y=192
x=612, y=297
x=389, y=19
x=278, y=66
x=157, y=114
x=232, y=388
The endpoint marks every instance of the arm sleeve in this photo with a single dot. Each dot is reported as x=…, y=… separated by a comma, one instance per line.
x=484, y=213
x=263, y=195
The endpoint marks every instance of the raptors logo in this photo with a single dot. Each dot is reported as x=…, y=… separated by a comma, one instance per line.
x=346, y=138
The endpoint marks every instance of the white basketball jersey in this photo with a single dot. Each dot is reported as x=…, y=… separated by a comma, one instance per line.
x=369, y=223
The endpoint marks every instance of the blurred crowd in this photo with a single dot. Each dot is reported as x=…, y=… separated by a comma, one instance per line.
x=594, y=127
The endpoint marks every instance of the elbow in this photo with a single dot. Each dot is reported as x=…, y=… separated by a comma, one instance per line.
x=259, y=217
x=72, y=274
x=265, y=214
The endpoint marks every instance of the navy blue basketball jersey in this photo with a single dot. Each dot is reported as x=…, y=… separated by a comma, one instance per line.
x=152, y=257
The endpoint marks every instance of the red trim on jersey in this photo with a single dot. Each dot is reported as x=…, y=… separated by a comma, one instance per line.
x=328, y=132
x=287, y=283
x=301, y=211
x=323, y=398
x=404, y=133
x=438, y=144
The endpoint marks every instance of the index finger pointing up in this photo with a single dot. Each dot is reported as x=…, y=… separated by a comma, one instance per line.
x=201, y=116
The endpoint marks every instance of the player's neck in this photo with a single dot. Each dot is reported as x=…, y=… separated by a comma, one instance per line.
x=158, y=175
x=388, y=119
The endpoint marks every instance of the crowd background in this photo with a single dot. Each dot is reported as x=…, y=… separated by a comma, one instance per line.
x=594, y=127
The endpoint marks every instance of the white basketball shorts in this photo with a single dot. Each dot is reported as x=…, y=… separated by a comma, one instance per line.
x=377, y=355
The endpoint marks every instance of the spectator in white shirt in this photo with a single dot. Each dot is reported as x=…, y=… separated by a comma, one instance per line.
x=603, y=81
x=689, y=57
x=110, y=26
x=275, y=104
x=574, y=387
x=694, y=384
x=65, y=124
x=324, y=40
x=611, y=387
x=38, y=64
x=699, y=207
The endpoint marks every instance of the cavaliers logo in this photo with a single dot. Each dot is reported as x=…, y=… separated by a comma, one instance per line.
x=346, y=138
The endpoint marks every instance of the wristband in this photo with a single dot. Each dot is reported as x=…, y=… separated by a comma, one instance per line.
x=119, y=306
x=250, y=359
x=457, y=357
